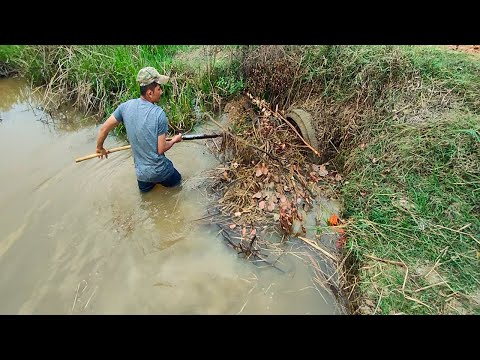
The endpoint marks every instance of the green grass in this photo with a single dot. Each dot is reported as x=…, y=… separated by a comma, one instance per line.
x=413, y=195
x=9, y=56
x=9, y=52
x=98, y=78
x=453, y=70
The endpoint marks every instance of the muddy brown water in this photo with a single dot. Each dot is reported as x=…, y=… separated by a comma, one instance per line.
x=79, y=238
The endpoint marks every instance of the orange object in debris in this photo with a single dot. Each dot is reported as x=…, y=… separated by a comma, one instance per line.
x=333, y=220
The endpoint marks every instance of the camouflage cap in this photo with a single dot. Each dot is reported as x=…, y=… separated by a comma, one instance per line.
x=149, y=74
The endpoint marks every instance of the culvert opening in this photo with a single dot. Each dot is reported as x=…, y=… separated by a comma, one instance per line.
x=302, y=121
x=291, y=121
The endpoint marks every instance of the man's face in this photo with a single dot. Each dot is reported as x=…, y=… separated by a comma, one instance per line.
x=157, y=92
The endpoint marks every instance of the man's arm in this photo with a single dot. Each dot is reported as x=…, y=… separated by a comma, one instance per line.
x=107, y=126
x=165, y=145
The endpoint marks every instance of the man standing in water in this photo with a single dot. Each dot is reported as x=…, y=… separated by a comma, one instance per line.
x=146, y=125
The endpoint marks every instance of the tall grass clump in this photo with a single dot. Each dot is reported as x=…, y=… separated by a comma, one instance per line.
x=413, y=197
x=97, y=78
x=9, y=55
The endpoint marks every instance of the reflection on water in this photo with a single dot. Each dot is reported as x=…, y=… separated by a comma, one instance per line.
x=12, y=92
x=79, y=238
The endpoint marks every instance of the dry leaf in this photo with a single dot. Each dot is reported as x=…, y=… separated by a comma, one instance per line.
x=313, y=176
x=253, y=232
x=244, y=231
x=233, y=226
x=338, y=177
x=258, y=195
x=271, y=206
x=264, y=169
x=238, y=213
x=261, y=205
x=322, y=171
x=276, y=217
x=341, y=241
x=261, y=169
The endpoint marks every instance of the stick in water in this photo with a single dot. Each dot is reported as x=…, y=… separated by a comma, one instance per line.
x=184, y=137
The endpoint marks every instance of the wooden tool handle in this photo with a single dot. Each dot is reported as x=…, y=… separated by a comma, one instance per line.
x=109, y=151
x=184, y=137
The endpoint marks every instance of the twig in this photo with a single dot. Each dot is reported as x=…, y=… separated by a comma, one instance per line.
x=206, y=217
x=464, y=227
x=417, y=301
x=241, y=140
x=294, y=291
x=378, y=303
x=243, y=307
x=314, y=245
x=269, y=263
x=176, y=203
x=405, y=280
x=444, y=251
x=386, y=261
x=318, y=290
x=429, y=286
x=279, y=116
x=90, y=297
x=218, y=149
x=76, y=295
x=458, y=231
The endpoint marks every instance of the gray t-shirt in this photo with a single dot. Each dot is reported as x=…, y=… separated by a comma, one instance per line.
x=144, y=123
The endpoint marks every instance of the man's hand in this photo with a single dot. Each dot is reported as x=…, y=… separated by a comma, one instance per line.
x=102, y=152
x=164, y=145
x=177, y=138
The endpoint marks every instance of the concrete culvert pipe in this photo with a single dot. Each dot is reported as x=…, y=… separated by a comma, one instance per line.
x=302, y=120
